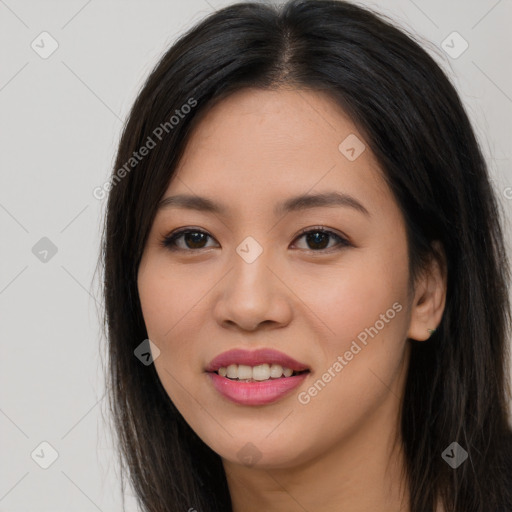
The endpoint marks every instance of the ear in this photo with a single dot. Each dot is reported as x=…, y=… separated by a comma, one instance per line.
x=429, y=296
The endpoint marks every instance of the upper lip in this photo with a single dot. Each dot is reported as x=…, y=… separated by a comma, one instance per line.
x=254, y=358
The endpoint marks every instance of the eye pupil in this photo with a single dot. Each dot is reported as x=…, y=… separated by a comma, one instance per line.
x=195, y=238
x=315, y=236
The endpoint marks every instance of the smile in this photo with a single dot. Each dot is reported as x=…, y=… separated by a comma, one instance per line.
x=255, y=377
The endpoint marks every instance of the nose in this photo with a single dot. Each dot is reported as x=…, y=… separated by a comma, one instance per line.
x=253, y=295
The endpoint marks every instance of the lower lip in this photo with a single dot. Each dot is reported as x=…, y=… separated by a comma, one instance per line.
x=255, y=393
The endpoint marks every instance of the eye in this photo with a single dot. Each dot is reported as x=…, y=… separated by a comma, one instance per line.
x=318, y=238
x=192, y=238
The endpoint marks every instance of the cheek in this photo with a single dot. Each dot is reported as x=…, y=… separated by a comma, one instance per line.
x=170, y=306
x=352, y=297
x=363, y=360
x=366, y=313
x=168, y=296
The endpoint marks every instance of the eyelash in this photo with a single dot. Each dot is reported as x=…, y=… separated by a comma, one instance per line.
x=169, y=242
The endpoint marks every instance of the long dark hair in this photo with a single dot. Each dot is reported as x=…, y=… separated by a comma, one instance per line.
x=413, y=121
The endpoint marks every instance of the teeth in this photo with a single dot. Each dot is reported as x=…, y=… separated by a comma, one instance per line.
x=257, y=373
x=232, y=371
x=276, y=371
x=260, y=372
x=244, y=372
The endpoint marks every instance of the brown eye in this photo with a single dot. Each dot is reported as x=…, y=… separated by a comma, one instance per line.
x=192, y=238
x=318, y=239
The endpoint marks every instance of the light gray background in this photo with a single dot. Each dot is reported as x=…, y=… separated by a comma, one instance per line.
x=60, y=122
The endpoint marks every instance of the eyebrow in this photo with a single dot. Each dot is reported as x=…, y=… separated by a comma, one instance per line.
x=296, y=203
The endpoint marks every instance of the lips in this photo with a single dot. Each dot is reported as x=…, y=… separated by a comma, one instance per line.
x=255, y=393
x=254, y=358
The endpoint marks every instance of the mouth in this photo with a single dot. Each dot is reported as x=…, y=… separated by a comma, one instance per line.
x=257, y=377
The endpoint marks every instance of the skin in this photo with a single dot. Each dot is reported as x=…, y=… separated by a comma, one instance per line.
x=341, y=450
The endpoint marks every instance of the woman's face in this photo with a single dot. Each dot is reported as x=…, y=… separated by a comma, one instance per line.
x=247, y=278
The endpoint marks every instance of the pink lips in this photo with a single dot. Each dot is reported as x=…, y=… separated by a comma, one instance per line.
x=255, y=393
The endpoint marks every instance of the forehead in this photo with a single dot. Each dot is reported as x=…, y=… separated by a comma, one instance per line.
x=257, y=147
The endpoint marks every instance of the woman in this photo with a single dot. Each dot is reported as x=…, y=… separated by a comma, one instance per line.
x=301, y=221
